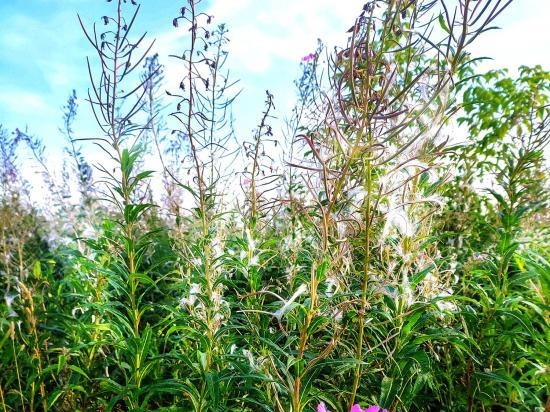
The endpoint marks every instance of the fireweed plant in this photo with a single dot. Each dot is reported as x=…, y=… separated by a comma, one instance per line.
x=371, y=172
x=353, y=259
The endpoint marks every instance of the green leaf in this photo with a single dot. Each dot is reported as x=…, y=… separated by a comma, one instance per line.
x=442, y=23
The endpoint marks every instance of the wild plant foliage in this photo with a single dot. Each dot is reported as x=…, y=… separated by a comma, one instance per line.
x=368, y=267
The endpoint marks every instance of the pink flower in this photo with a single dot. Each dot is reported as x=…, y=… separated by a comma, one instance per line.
x=375, y=408
x=355, y=408
x=308, y=58
x=322, y=408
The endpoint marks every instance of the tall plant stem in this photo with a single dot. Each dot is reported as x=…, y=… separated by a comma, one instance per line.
x=5, y=254
x=4, y=409
x=12, y=336
x=304, y=335
x=364, y=284
x=203, y=207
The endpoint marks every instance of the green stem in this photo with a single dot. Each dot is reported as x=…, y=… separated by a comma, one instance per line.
x=12, y=333
x=364, y=285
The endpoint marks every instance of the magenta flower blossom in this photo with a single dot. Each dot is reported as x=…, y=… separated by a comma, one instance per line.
x=308, y=58
x=322, y=408
x=355, y=408
x=375, y=408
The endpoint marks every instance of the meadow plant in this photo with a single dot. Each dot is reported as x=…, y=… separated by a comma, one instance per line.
x=350, y=269
x=370, y=168
x=510, y=138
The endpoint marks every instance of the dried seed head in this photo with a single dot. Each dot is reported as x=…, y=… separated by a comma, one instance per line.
x=26, y=292
x=12, y=330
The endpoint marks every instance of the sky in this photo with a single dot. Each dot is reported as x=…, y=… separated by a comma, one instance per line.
x=43, y=51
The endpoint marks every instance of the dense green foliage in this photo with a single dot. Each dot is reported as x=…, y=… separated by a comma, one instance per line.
x=377, y=263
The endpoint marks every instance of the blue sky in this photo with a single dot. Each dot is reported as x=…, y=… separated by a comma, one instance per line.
x=43, y=50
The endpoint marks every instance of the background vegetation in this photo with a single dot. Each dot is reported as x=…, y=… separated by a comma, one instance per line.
x=365, y=255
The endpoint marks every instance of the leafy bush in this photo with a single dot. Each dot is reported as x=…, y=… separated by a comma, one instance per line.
x=355, y=271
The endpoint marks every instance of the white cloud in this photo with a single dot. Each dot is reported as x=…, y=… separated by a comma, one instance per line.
x=22, y=102
x=263, y=32
x=523, y=39
x=13, y=41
